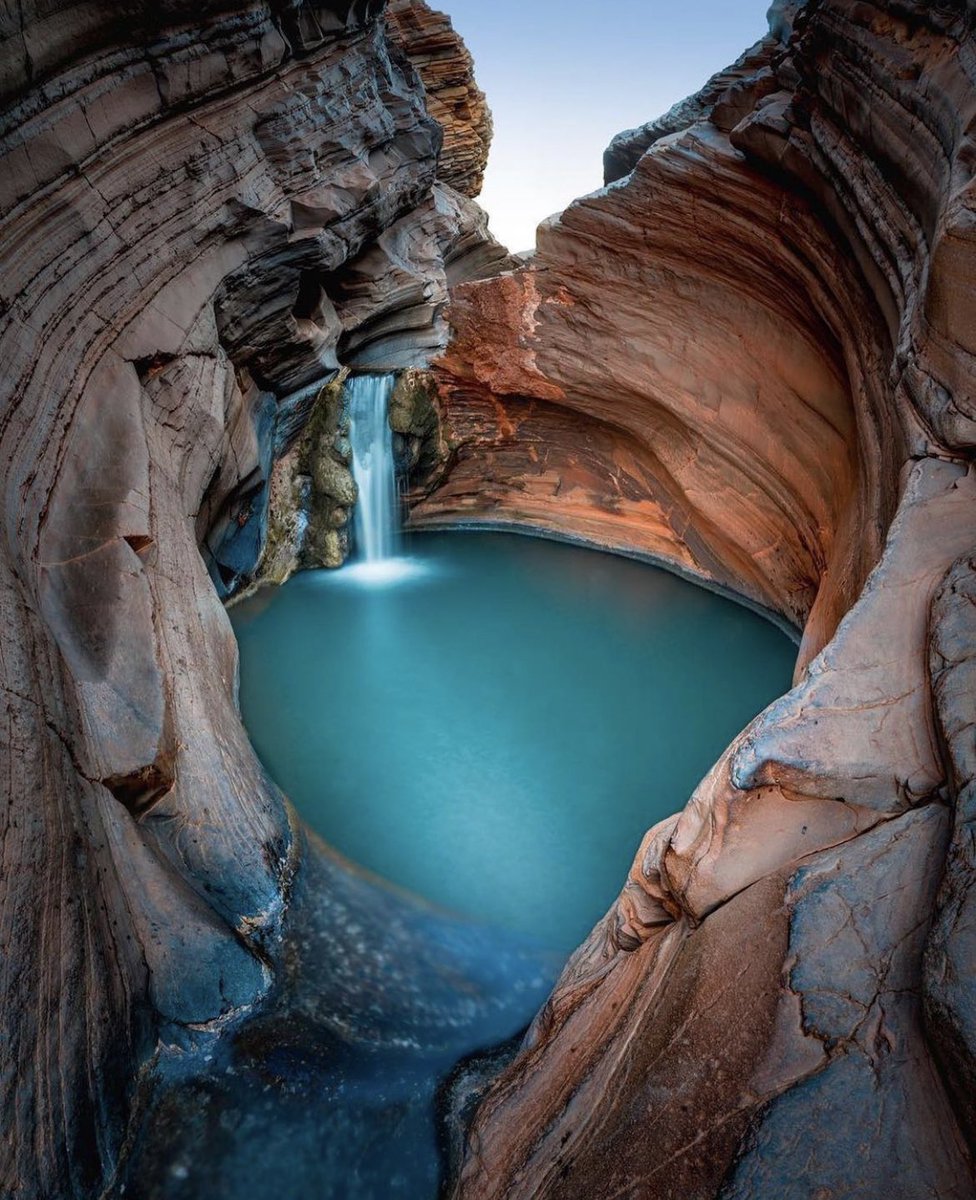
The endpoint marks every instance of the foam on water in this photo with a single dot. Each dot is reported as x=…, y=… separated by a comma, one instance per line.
x=381, y=573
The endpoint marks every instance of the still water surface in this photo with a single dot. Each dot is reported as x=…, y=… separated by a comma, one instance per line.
x=496, y=728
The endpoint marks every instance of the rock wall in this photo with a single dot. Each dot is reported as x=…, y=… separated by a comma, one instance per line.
x=382, y=309
x=726, y=368
x=204, y=208
x=454, y=99
x=750, y=356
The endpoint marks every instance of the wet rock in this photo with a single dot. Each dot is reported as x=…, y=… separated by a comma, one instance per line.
x=332, y=479
x=415, y=420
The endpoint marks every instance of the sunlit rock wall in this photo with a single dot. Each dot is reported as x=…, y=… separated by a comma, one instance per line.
x=454, y=99
x=751, y=356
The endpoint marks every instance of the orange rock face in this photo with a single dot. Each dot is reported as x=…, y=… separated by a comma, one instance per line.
x=731, y=417
x=749, y=356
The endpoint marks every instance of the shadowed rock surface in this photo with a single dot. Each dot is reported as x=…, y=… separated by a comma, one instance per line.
x=750, y=356
x=199, y=205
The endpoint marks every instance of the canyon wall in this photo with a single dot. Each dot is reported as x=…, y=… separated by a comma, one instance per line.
x=203, y=209
x=750, y=356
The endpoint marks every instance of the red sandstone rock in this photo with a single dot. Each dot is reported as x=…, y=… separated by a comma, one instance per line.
x=750, y=357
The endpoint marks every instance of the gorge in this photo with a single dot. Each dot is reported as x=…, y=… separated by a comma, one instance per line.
x=748, y=357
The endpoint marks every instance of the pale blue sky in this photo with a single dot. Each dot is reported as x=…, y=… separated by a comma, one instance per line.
x=563, y=76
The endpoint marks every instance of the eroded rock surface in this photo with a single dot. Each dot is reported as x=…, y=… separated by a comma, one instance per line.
x=203, y=208
x=750, y=356
x=454, y=99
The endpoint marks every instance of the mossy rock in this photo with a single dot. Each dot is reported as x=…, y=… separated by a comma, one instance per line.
x=311, y=482
x=334, y=481
x=325, y=547
x=326, y=418
x=283, y=534
x=415, y=418
x=413, y=408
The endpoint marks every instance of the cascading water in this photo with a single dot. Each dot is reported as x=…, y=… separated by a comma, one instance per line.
x=376, y=520
x=377, y=515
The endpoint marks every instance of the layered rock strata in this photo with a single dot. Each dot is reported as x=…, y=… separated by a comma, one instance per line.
x=203, y=209
x=454, y=99
x=750, y=356
x=379, y=309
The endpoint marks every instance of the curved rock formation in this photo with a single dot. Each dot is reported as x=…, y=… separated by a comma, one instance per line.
x=202, y=208
x=750, y=355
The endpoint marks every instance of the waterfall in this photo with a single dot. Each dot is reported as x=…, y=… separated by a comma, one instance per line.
x=377, y=514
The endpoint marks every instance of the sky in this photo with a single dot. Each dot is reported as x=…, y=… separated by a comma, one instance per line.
x=563, y=76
